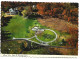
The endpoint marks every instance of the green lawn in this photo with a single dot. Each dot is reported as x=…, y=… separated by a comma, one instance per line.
x=46, y=36
x=20, y=27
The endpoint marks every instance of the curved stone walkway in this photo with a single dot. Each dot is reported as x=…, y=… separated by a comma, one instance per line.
x=30, y=40
x=41, y=42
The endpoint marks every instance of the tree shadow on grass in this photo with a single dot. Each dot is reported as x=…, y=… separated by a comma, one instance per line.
x=5, y=20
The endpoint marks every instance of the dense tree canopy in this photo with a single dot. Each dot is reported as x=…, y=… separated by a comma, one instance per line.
x=66, y=11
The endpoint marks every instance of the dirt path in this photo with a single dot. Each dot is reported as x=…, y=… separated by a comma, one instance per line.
x=57, y=24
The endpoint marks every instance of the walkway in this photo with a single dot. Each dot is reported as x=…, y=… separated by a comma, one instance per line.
x=41, y=42
x=30, y=40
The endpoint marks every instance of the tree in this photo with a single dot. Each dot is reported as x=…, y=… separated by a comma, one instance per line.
x=69, y=19
x=65, y=17
x=71, y=42
x=24, y=12
x=20, y=8
x=64, y=12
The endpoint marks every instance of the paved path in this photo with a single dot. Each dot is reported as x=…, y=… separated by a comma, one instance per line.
x=30, y=40
x=23, y=38
x=41, y=42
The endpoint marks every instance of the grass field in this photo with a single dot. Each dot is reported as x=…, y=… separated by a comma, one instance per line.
x=20, y=27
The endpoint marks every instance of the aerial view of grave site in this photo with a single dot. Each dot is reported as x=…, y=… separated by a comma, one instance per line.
x=45, y=28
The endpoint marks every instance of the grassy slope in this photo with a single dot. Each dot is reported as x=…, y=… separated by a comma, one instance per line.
x=19, y=27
